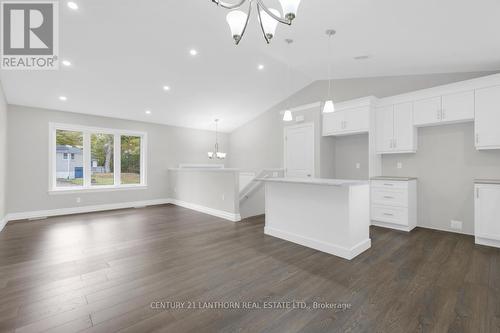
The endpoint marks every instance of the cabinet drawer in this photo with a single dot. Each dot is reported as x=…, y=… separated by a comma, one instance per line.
x=389, y=184
x=390, y=197
x=395, y=215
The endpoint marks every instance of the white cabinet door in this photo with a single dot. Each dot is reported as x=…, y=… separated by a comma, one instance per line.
x=357, y=120
x=458, y=107
x=487, y=118
x=384, y=127
x=487, y=211
x=299, y=151
x=404, y=132
x=427, y=111
x=332, y=123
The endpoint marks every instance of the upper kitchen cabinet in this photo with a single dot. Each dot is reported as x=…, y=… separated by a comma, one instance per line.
x=487, y=118
x=350, y=117
x=395, y=132
x=451, y=108
x=427, y=111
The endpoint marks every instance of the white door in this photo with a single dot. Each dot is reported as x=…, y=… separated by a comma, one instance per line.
x=487, y=118
x=404, y=133
x=458, y=107
x=427, y=111
x=299, y=151
x=487, y=209
x=384, y=128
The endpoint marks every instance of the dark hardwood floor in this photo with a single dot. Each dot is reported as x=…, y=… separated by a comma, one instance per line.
x=100, y=272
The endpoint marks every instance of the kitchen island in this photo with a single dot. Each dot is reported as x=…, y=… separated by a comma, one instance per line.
x=329, y=215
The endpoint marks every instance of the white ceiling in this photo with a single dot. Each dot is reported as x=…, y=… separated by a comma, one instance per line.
x=124, y=51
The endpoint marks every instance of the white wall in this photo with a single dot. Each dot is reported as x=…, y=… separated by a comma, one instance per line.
x=215, y=189
x=28, y=134
x=3, y=157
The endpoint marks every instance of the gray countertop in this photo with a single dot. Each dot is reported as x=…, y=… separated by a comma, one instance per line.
x=486, y=181
x=316, y=181
x=404, y=179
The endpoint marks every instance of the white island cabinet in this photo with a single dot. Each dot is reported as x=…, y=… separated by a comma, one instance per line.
x=328, y=215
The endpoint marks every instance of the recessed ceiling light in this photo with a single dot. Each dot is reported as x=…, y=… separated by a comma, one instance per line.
x=166, y=88
x=63, y=98
x=148, y=111
x=72, y=5
x=260, y=67
x=193, y=52
x=66, y=63
x=362, y=57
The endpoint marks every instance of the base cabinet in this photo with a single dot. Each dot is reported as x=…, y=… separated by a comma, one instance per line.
x=394, y=204
x=487, y=214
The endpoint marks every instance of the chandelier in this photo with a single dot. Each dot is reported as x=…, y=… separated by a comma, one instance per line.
x=216, y=154
x=268, y=17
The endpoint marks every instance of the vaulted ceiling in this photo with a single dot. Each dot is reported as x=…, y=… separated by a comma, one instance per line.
x=123, y=52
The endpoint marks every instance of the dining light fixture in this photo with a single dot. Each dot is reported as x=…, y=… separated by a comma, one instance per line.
x=329, y=107
x=287, y=116
x=268, y=17
x=216, y=154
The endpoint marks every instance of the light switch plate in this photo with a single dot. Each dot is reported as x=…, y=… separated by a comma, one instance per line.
x=400, y=165
x=358, y=165
x=275, y=174
x=457, y=225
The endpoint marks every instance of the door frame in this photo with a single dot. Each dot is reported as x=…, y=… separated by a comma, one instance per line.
x=285, y=145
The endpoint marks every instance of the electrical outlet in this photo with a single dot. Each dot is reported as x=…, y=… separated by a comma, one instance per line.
x=78, y=200
x=457, y=225
x=223, y=197
x=400, y=165
x=358, y=165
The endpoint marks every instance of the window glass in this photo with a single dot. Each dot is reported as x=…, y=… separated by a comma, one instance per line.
x=102, y=165
x=69, y=171
x=130, y=159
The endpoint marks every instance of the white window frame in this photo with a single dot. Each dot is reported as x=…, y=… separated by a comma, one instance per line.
x=87, y=132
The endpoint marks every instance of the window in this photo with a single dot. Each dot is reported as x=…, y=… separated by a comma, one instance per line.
x=130, y=159
x=68, y=170
x=86, y=158
x=102, y=159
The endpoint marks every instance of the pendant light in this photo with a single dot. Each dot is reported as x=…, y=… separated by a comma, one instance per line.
x=216, y=154
x=287, y=116
x=329, y=106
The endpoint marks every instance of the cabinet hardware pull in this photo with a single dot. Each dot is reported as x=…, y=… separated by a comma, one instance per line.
x=387, y=214
x=477, y=138
x=386, y=197
x=388, y=184
x=443, y=114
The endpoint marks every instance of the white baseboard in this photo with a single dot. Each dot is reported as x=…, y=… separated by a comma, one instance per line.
x=207, y=210
x=340, y=251
x=487, y=242
x=98, y=208
x=3, y=222
x=83, y=209
x=392, y=226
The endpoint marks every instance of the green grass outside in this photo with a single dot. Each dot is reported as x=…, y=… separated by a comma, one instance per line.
x=101, y=179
